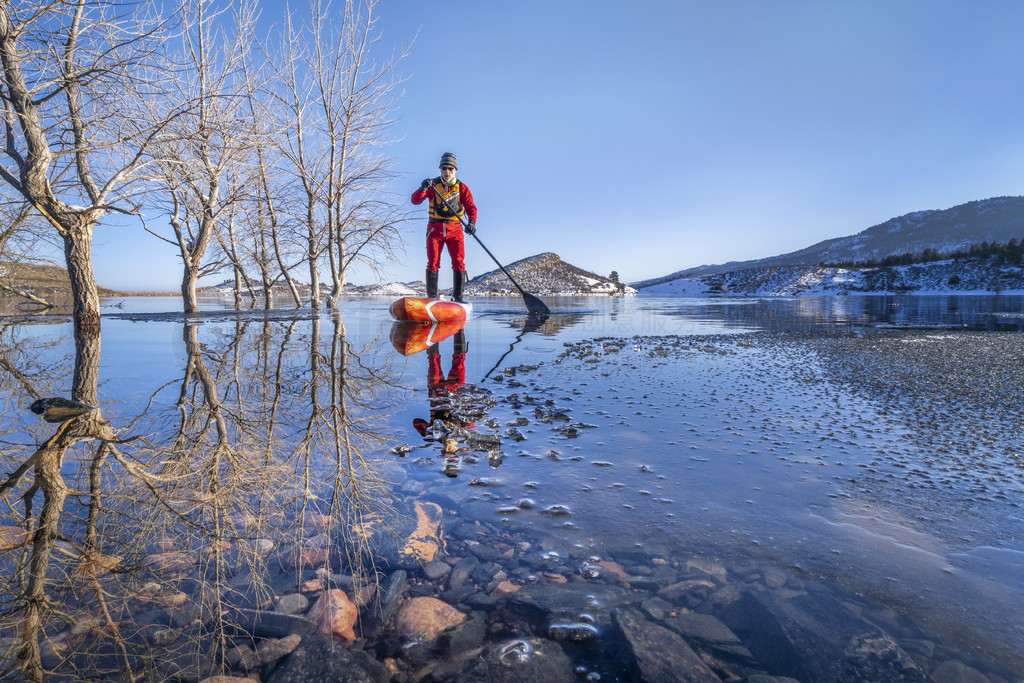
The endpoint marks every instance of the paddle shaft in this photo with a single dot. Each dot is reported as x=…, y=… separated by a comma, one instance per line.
x=464, y=225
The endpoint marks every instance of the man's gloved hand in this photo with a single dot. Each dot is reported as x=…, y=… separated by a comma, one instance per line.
x=471, y=228
x=427, y=182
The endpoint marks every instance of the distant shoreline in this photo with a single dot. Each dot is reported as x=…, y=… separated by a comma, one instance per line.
x=119, y=294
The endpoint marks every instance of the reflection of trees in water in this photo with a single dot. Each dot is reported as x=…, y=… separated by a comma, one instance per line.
x=141, y=545
x=29, y=614
x=29, y=368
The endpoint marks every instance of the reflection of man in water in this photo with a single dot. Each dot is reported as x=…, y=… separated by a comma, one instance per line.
x=442, y=389
x=455, y=407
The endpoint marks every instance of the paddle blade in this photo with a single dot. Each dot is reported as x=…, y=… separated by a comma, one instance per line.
x=534, y=305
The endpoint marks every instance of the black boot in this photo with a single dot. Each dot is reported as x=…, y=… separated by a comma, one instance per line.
x=458, y=280
x=459, y=343
x=431, y=284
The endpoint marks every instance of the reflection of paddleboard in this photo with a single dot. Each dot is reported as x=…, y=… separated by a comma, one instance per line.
x=410, y=338
x=420, y=310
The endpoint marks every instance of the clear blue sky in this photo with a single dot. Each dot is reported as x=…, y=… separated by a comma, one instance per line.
x=652, y=136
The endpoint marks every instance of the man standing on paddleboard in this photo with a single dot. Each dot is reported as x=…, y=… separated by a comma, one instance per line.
x=450, y=202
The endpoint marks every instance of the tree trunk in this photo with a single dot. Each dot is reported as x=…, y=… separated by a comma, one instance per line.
x=314, y=282
x=296, y=297
x=238, y=288
x=189, y=278
x=341, y=262
x=268, y=286
x=48, y=479
x=332, y=301
x=78, y=256
x=86, y=380
x=35, y=606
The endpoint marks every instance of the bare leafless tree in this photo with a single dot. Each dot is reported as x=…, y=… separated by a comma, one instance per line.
x=306, y=160
x=270, y=196
x=256, y=227
x=210, y=140
x=228, y=240
x=71, y=71
x=340, y=102
x=24, y=240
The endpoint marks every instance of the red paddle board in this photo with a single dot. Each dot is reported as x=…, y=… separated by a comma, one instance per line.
x=421, y=310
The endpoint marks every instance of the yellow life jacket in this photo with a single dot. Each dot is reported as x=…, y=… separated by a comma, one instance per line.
x=439, y=211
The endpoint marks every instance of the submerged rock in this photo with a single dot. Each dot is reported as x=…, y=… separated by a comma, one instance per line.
x=717, y=645
x=296, y=603
x=704, y=628
x=273, y=649
x=334, y=614
x=436, y=570
x=408, y=538
x=527, y=660
x=311, y=554
x=957, y=672
x=424, y=618
x=576, y=611
x=878, y=658
x=424, y=542
x=170, y=561
x=265, y=624
x=816, y=637
x=320, y=659
x=659, y=654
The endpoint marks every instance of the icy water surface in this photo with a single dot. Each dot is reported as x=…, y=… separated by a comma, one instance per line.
x=710, y=489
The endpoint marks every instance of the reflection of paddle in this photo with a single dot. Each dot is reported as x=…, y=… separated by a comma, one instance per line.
x=533, y=323
x=533, y=304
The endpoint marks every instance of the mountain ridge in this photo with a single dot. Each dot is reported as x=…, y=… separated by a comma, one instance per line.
x=997, y=219
x=983, y=275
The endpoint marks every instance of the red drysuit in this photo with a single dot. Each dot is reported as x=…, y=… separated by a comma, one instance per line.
x=444, y=229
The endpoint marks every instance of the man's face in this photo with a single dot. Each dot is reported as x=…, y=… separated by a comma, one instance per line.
x=447, y=173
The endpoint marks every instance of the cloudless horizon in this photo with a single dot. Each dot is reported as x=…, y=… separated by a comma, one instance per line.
x=663, y=135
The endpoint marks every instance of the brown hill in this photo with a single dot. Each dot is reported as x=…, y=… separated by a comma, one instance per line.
x=545, y=274
x=40, y=280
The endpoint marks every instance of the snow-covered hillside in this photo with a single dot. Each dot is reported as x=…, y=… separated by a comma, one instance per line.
x=951, y=276
x=546, y=275
x=389, y=289
x=998, y=220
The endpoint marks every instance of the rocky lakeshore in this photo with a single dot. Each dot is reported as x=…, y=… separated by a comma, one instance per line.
x=499, y=605
x=481, y=575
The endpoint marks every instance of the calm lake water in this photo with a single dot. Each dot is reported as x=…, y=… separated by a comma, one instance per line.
x=869, y=444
